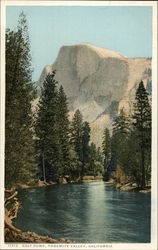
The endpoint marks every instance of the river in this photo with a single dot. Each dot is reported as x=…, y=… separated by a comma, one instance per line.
x=86, y=213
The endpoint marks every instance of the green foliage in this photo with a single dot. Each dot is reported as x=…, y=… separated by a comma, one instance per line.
x=121, y=132
x=77, y=134
x=85, y=144
x=63, y=128
x=88, y=157
x=95, y=164
x=106, y=147
x=75, y=164
x=47, y=124
x=19, y=148
x=142, y=125
x=131, y=139
x=132, y=158
x=63, y=153
x=125, y=146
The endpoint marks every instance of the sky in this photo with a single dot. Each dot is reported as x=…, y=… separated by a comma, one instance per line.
x=127, y=30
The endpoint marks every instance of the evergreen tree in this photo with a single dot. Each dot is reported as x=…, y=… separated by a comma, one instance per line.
x=19, y=148
x=121, y=132
x=142, y=123
x=132, y=157
x=95, y=161
x=46, y=127
x=75, y=164
x=106, y=146
x=85, y=144
x=77, y=134
x=63, y=127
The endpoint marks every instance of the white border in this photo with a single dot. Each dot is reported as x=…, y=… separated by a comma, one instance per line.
x=153, y=244
x=2, y=120
x=154, y=131
x=78, y=3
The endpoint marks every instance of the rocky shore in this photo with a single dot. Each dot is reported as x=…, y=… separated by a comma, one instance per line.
x=129, y=186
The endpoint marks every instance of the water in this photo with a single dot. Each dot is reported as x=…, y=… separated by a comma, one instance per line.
x=86, y=213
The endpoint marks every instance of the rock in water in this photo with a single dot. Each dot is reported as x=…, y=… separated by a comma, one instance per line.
x=98, y=82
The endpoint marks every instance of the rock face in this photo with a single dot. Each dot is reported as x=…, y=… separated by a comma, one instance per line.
x=98, y=82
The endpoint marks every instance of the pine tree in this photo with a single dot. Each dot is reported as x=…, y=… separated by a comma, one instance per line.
x=63, y=126
x=95, y=160
x=85, y=144
x=46, y=126
x=132, y=157
x=19, y=148
x=106, y=146
x=120, y=135
x=75, y=164
x=92, y=158
x=77, y=134
x=142, y=123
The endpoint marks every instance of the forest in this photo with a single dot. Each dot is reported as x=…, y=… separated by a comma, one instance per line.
x=44, y=144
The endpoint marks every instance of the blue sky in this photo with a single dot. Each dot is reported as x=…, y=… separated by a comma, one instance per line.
x=127, y=30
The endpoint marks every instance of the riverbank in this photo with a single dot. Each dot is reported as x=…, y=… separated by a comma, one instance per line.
x=124, y=182
x=129, y=186
x=13, y=234
x=62, y=180
x=89, y=178
x=123, y=186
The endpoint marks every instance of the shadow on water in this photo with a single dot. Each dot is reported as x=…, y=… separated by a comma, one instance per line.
x=88, y=212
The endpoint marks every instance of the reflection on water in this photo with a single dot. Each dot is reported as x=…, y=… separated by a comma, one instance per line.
x=88, y=212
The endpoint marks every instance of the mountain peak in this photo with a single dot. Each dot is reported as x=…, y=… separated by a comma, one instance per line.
x=102, y=52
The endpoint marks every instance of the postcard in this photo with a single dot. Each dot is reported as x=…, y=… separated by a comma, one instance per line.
x=78, y=125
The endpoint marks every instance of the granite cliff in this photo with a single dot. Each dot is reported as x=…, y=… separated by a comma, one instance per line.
x=98, y=82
